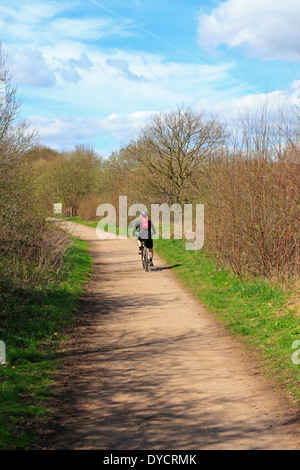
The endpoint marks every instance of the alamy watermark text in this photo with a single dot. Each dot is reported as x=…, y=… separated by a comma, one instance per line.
x=186, y=224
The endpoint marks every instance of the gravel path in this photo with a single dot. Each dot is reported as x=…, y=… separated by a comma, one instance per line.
x=150, y=369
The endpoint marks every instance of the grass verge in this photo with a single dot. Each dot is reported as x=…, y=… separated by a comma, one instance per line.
x=256, y=311
x=32, y=323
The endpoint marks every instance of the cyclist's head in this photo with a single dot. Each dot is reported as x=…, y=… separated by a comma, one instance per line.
x=144, y=214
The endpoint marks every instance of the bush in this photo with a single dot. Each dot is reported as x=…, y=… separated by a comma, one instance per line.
x=253, y=206
x=28, y=245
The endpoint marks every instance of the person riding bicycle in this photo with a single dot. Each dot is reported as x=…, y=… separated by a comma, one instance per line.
x=145, y=229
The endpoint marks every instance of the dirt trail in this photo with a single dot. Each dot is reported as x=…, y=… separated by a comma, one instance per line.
x=151, y=369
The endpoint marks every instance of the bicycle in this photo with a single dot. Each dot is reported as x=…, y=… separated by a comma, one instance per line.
x=145, y=257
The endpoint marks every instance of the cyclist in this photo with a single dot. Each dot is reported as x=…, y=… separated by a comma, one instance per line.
x=145, y=229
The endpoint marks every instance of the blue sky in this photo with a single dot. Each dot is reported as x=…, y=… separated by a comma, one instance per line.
x=92, y=71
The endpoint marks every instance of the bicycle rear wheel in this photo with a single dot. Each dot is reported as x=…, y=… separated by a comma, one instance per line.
x=145, y=259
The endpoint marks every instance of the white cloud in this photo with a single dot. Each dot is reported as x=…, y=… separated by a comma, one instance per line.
x=124, y=69
x=124, y=82
x=61, y=126
x=124, y=127
x=67, y=131
x=32, y=11
x=83, y=29
x=269, y=29
x=29, y=67
x=64, y=132
x=43, y=23
x=27, y=20
x=228, y=109
x=69, y=68
x=33, y=67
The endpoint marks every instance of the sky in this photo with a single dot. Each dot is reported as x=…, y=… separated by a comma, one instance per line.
x=92, y=72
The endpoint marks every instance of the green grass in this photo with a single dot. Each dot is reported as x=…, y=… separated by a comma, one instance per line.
x=32, y=324
x=254, y=310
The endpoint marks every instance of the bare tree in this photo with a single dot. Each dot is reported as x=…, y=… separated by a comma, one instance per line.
x=76, y=176
x=173, y=146
x=16, y=139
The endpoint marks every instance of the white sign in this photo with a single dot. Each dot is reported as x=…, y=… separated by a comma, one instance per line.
x=57, y=208
x=2, y=353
